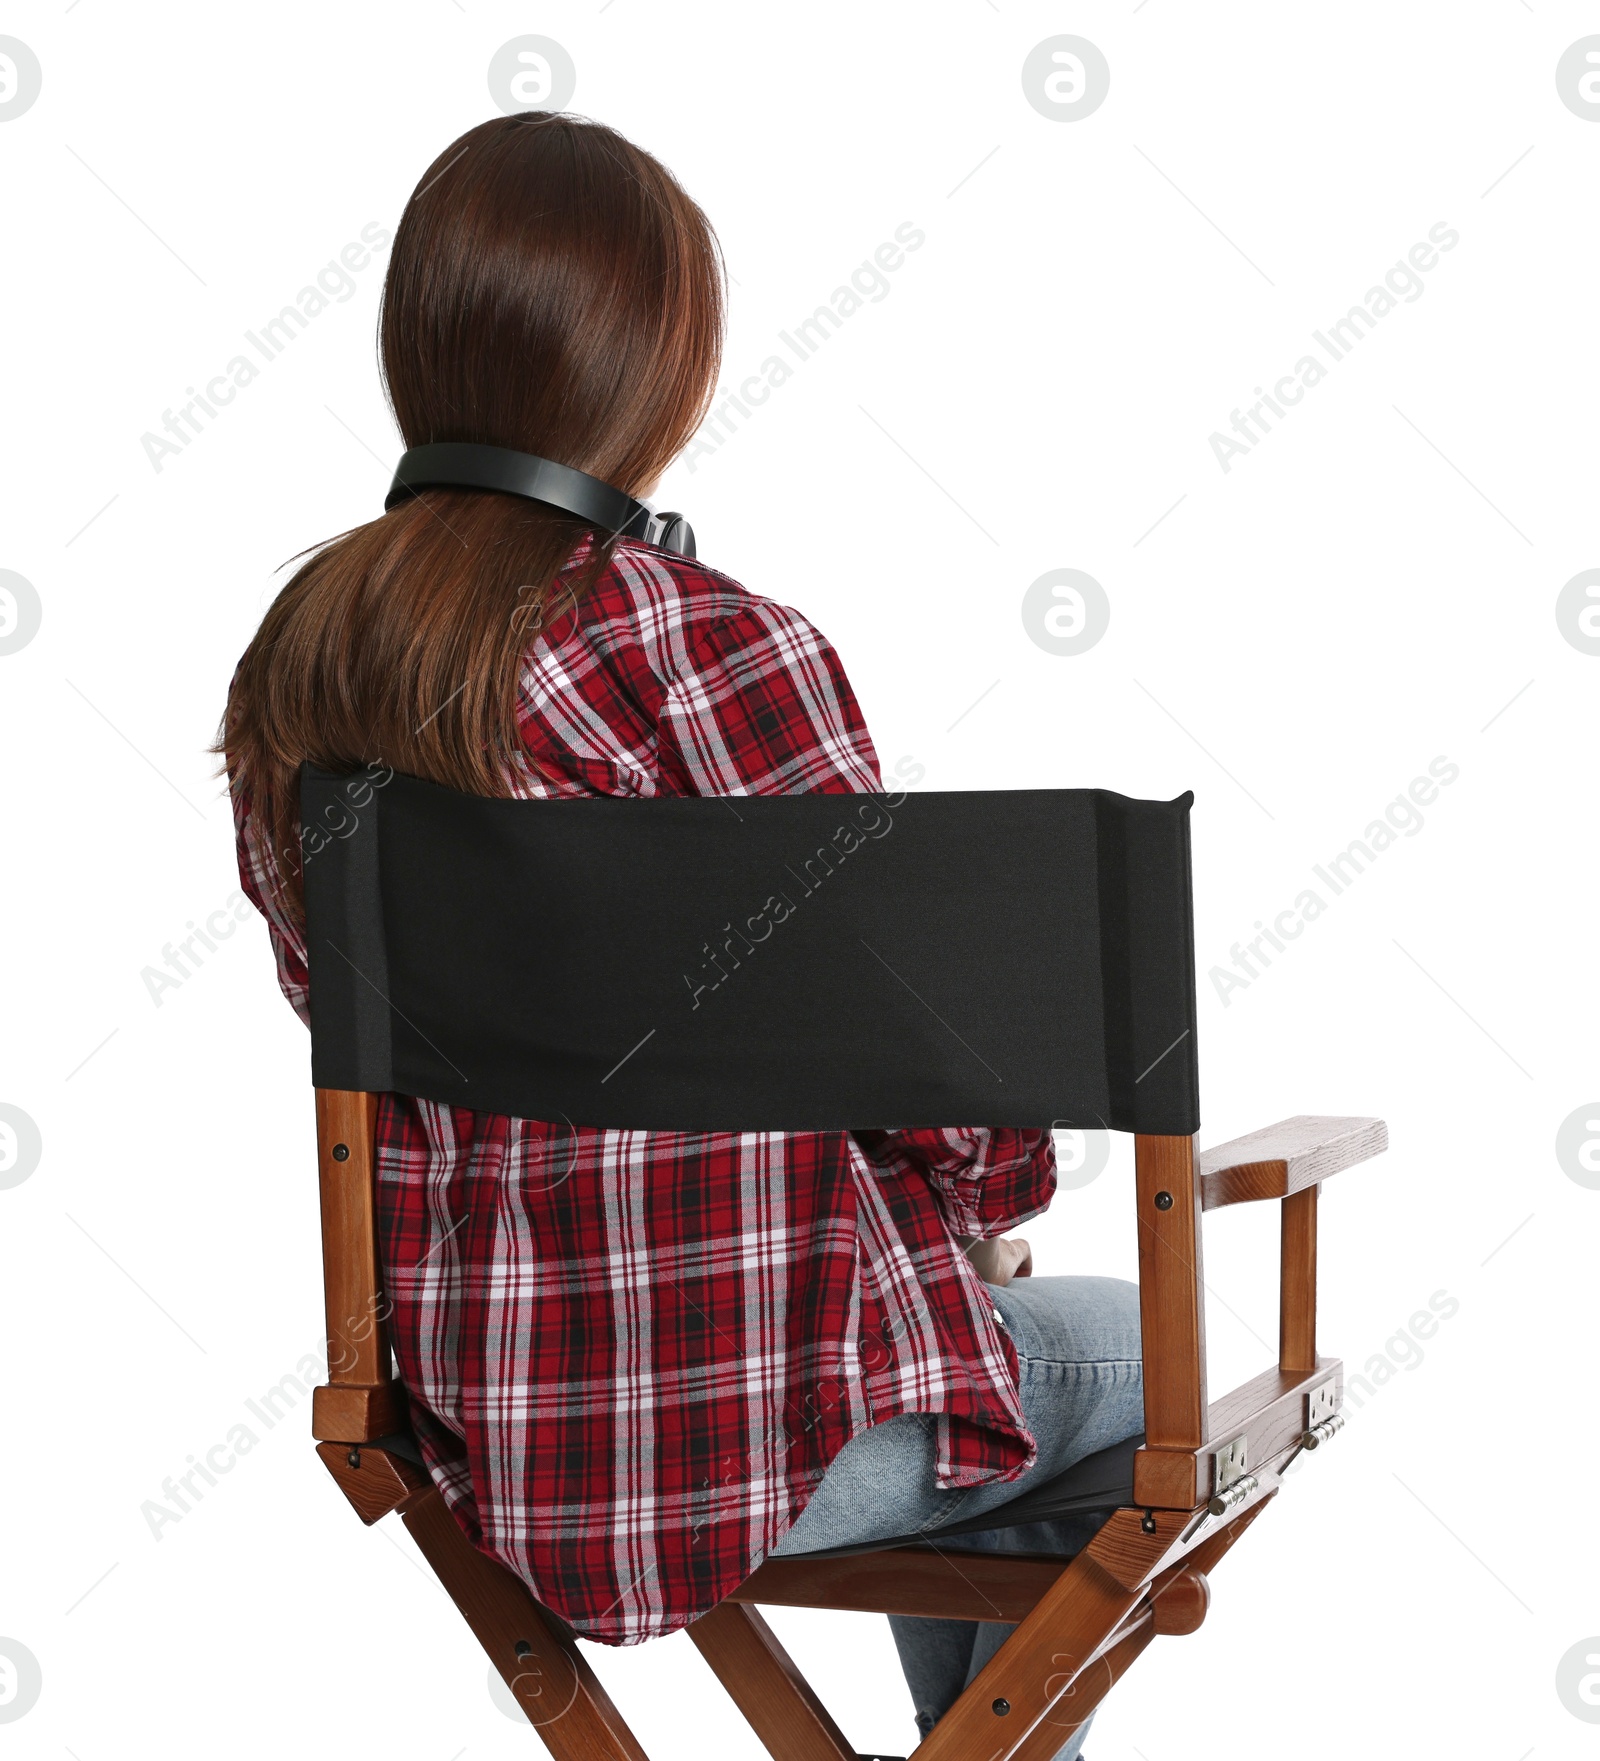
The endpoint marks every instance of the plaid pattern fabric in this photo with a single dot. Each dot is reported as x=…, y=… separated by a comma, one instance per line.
x=632, y=1355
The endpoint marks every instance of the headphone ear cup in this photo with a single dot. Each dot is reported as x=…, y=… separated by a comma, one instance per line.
x=673, y=532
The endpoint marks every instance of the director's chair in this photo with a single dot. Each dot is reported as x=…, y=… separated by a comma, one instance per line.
x=1012, y=958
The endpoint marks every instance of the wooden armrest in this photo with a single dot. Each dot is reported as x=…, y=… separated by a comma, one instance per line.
x=1286, y=1158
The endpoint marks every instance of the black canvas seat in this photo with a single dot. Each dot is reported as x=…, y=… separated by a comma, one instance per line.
x=1100, y=1482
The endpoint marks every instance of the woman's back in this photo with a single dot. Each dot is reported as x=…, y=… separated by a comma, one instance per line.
x=632, y=1355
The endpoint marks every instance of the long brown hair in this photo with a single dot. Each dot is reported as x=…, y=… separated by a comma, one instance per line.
x=551, y=289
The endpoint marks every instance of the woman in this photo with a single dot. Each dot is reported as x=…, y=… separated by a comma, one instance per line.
x=640, y=1362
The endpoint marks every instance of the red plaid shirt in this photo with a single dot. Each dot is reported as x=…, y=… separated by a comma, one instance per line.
x=631, y=1355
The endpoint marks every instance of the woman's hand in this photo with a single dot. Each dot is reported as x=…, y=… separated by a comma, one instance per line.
x=999, y=1259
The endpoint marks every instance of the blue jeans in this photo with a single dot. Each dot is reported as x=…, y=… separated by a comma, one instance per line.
x=1082, y=1387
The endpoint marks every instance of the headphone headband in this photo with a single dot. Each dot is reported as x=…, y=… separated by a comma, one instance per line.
x=460, y=464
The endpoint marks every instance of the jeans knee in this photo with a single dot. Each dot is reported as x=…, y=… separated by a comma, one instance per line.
x=1116, y=1320
x=1085, y=1320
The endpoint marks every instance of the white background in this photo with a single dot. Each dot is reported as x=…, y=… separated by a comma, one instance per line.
x=1372, y=587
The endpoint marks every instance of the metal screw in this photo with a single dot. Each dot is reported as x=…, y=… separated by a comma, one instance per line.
x=1000, y=1708
x=523, y=1648
x=341, y=1152
x=354, y=1458
x=1163, y=1199
x=1148, y=1522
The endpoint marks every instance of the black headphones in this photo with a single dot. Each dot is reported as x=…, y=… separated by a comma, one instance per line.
x=458, y=464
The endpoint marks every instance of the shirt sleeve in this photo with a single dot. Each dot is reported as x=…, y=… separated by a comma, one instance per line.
x=258, y=877
x=986, y=1181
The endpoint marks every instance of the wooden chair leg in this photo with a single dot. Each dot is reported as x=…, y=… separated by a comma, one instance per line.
x=1078, y=1639
x=1026, y=1676
x=763, y=1682
x=1074, y=1708
x=537, y=1657
x=1177, y=1607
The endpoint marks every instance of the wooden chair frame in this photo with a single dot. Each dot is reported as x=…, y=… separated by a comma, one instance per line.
x=1204, y=1474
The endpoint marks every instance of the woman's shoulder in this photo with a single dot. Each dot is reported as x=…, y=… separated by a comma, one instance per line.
x=674, y=607
x=693, y=685
x=707, y=595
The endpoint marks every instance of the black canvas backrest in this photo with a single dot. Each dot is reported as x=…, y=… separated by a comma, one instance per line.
x=796, y=962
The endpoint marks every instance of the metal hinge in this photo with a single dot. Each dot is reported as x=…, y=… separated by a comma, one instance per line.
x=1323, y=1417
x=1229, y=1463
x=1231, y=1482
